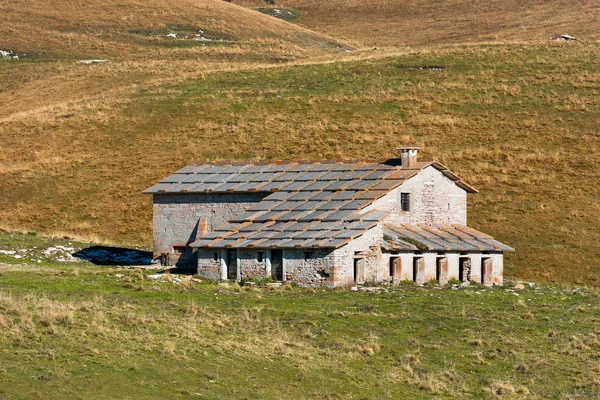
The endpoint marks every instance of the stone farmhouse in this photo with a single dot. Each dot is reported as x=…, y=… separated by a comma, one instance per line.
x=323, y=223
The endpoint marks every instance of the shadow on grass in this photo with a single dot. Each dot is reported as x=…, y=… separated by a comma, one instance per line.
x=107, y=255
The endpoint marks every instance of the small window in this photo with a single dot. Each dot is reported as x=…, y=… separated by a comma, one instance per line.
x=259, y=256
x=307, y=255
x=405, y=201
x=178, y=249
x=216, y=256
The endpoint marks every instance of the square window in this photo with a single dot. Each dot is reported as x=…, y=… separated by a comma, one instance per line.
x=216, y=256
x=259, y=256
x=307, y=255
x=405, y=201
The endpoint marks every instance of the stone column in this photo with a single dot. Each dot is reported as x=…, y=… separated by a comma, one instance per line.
x=267, y=263
x=453, y=265
x=223, y=264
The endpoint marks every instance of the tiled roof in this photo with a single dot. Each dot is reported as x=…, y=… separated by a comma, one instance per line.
x=303, y=177
x=310, y=205
x=306, y=229
x=440, y=238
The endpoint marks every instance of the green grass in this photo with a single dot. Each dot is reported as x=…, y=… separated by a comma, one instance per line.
x=94, y=332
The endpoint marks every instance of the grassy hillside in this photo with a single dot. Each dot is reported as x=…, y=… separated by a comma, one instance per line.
x=518, y=122
x=417, y=22
x=137, y=29
x=73, y=330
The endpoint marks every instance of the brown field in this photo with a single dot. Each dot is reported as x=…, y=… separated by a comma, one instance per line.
x=80, y=142
x=418, y=22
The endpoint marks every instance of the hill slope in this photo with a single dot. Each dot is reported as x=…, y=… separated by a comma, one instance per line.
x=417, y=22
x=139, y=29
x=506, y=118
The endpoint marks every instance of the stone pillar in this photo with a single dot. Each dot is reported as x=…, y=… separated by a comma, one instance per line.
x=267, y=263
x=407, y=267
x=284, y=278
x=497, y=268
x=223, y=264
x=238, y=266
x=453, y=265
x=430, y=266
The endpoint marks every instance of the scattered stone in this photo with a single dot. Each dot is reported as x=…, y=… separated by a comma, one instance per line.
x=89, y=62
x=373, y=289
x=354, y=289
x=273, y=284
x=10, y=55
x=119, y=275
x=564, y=38
x=249, y=283
x=519, y=286
x=154, y=276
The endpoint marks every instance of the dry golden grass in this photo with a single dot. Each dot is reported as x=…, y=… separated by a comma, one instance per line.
x=109, y=29
x=398, y=23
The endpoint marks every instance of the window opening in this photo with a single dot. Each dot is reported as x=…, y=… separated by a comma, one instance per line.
x=405, y=201
x=178, y=249
x=216, y=256
x=307, y=255
x=259, y=256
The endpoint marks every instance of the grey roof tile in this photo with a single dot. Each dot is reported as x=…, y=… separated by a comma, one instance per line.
x=269, y=216
x=296, y=196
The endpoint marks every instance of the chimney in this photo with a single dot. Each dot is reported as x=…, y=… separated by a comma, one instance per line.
x=202, y=227
x=408, y=156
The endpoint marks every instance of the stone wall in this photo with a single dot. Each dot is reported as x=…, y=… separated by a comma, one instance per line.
x=309, y=267
x=176, y=216
x=208, y=266
x=434, y=200
x=366, y=247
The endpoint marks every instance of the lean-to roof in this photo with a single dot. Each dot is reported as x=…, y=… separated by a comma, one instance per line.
x=440, y=238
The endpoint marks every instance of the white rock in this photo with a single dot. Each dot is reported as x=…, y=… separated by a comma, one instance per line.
x=89, y=62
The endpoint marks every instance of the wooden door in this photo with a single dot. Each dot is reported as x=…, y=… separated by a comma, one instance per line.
x=277, y=265
x=359, y=271
x=442, y=271
x=486, y=271
x=419, y=270
x=395, y=269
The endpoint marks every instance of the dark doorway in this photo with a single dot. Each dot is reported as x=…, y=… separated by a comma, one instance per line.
x=232, y=264
x=277, y=265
